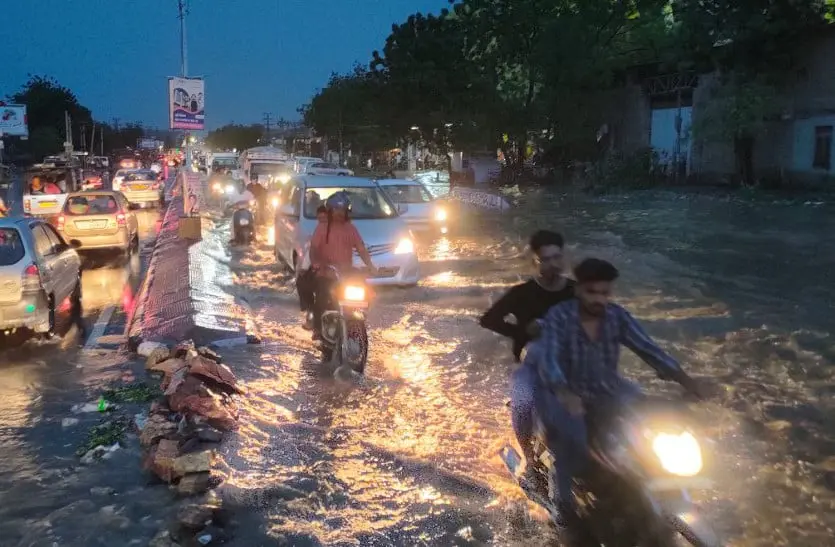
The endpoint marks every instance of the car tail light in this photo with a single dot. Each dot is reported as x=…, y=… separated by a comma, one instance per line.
x=31, y=277
x=121, y=220
x=61, y=221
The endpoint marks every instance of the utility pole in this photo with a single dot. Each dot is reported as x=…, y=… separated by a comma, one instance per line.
x=182, y=11
x=268, y=124
x=116, y=124
x=68, y=132
x=101, y=140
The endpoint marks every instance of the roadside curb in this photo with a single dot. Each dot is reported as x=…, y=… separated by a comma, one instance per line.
x=180, y=298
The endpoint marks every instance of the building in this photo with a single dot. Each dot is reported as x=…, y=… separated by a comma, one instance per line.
x=797, y=146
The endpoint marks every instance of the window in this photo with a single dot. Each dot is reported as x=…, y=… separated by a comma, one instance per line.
x=823, y=147
x=11, y=247
x=91, y=204
x=55, y=240
x=366, y=202
x=408, y=193
x=42, y=243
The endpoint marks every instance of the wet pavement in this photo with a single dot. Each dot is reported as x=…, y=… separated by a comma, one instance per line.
x=45, y=496
x=735, y=286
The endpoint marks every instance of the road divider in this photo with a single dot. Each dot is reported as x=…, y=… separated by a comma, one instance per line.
x=184, y=295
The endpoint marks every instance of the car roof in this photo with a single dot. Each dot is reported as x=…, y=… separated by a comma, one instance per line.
x=15, y=222
x=398, y=182
x=336, y=181
x=92, y=192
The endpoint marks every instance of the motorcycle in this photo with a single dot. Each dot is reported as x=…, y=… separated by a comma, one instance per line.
x=243, y=226
x=644, y=462
x=343, y=328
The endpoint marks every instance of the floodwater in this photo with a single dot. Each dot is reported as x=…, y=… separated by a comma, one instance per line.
x=736, y=287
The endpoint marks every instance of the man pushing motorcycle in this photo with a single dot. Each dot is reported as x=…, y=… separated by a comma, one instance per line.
x=578, y=367
x=333, y=244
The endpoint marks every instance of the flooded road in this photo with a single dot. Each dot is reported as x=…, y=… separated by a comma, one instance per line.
x=42, y=496
x=734, y=287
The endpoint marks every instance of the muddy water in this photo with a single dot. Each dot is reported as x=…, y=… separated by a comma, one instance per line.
x=736, y=288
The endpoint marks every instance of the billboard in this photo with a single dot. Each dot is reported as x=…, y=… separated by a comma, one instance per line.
x=13, y=120
x=192, y=193
x=149, y=144
x=185, y=103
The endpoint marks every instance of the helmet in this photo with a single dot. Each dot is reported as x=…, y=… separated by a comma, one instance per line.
x=339, y=200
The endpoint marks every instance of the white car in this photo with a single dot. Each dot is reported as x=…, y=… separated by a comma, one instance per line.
x=300, y=163
x=385, y=233
x=119, y=178
x=325, y=168
x=417, y=206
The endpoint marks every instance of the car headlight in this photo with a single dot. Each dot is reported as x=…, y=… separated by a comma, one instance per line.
x=678, y=454
x=230, y=189
x=217, y=187
x=275, y=203
x=404, y=246
x=284, y=179
x=440, y=215
x=354, y=293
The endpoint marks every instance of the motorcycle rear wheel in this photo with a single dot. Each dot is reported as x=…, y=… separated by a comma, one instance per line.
x=356, y=335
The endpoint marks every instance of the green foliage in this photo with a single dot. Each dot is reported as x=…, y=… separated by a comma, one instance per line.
x=737, y=109
x=232, y=136
x=637, y=171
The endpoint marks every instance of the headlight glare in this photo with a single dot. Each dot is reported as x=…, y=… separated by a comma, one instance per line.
x=354, y=293
x=678, y=454
x=404, y=246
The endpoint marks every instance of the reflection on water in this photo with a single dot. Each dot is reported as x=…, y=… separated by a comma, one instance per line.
x=737, y=290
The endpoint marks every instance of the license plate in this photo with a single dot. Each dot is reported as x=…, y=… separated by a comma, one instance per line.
x=91, y=224
x=47, y=204
x=386, y=272
x=353, y=304
x=138, y=187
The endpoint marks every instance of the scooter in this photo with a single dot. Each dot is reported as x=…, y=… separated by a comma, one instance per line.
x=344, y=332
x=243, y=225
x=645, y=460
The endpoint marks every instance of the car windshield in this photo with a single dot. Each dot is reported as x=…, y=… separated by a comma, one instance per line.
x=408, y=193
x=140, y=175
x=268, y=169
x=91, y=204
x=11, y=247
x=225, y=162
x=366, y=202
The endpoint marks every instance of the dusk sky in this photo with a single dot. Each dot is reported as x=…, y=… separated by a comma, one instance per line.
x=256, y=55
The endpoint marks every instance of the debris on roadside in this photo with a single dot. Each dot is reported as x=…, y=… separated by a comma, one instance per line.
x=194, y=406
x=103, y=439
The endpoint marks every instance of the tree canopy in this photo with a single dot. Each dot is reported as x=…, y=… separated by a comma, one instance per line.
x=232, y=136
x=500, y=73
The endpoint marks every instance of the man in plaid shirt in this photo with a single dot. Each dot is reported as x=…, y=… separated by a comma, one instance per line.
x=578, y=365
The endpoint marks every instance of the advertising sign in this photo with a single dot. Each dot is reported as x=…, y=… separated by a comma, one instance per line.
x=149, y=144
x=192, y=193
x=185, y=103
x=13, y=120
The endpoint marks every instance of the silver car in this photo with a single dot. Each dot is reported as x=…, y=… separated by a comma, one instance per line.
x=39, y=272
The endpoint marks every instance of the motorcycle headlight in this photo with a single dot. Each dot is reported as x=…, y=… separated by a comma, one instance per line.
x=217, y=187
x=440, y=215
x=678, y=454
x=275, y=202
x=230, y=189
x=284, y=179
x=404, y=246
x=354, y=293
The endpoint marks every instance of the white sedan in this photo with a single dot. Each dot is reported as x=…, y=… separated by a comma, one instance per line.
x=119, y=178
x=418, y=208
x=384, y=231
x=325, y=168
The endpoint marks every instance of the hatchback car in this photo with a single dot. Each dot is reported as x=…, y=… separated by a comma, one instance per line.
x=385, y=233
x=418, y=208
x=39, y=271
x=143, y=187
x=99, y=221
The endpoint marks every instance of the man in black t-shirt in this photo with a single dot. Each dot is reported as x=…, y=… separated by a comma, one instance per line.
x=528, y=303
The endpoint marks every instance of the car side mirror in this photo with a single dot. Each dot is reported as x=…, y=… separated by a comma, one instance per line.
x=402, y=207
x=61, y=248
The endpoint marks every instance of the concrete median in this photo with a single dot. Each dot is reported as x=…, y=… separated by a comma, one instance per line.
x=185, y=294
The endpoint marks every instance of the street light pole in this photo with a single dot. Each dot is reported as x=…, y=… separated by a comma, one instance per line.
x=182, y=11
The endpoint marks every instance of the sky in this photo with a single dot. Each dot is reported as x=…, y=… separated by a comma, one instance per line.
x=256, y=56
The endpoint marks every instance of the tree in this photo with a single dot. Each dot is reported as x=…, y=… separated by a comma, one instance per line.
x=231, y=136
x=46, y=102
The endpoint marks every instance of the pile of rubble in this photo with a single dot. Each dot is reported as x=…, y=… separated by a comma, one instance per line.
x=183, y=431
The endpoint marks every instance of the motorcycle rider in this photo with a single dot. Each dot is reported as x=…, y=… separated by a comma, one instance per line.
x=333, y=244
x=528, y=303
x=578, y=366
x=305, y=284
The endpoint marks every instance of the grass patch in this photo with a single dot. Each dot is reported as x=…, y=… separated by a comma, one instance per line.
x=138, y=392
x=106, y=434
